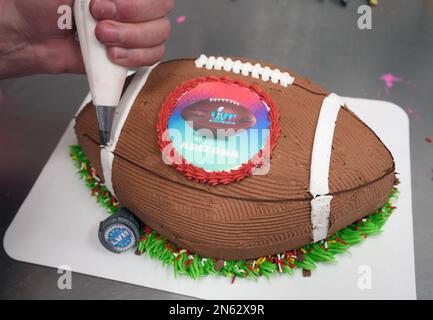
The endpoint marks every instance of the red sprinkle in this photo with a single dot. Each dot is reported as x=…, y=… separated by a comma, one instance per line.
x=180, y=19
x=429, y=139
x=233, y=279
x=250, y=268
x=341, y=241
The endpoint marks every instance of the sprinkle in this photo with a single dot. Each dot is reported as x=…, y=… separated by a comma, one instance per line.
x=429, y=139
x=342, y=241
x=390, y=80
x=186, y=263
x=280, y=269
x=410, y=110
x=233, y=279
x=180, y=19
x=250, y=268
x=306, y=273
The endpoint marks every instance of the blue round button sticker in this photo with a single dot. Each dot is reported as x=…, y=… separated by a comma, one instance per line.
x=119, y=237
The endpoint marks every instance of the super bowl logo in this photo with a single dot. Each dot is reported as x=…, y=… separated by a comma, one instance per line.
x=219, y=116
x=119, y=237
x=218, y=113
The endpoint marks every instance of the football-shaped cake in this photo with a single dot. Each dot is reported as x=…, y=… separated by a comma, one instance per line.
x=236, y=159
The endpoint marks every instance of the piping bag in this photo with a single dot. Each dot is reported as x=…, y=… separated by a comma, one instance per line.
x=106, y=79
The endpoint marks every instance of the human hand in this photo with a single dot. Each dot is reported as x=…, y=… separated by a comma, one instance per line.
x=134, y=32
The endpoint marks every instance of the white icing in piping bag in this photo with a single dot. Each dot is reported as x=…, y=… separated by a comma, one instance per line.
x=106, y=79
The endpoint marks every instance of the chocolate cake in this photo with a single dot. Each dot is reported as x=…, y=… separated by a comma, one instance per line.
x=291, y=166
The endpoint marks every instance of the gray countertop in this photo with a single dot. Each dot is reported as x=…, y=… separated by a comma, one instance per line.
x=317, y=39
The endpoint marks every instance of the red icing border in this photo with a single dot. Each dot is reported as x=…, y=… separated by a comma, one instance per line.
x=193, y=172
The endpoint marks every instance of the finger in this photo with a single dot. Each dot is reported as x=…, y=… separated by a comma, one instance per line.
x=136, y=57
x=133, y=35
x=130, y=10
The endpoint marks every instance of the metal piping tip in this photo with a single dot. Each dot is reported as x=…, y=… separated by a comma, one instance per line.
x=105, y=116
x=104, y=137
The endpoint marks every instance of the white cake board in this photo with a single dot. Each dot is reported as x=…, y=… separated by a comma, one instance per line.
x=58, y=222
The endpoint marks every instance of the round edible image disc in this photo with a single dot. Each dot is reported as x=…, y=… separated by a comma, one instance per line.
x=218, y=126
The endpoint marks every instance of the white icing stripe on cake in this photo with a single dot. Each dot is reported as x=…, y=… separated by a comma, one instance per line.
x=246, y=69
x=122, y=111
x=320, y=210
x=107, y=158
x=320, y=163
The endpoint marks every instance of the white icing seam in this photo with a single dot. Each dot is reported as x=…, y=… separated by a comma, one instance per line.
x=246, y=69
x=320, y=162
x=122, y=112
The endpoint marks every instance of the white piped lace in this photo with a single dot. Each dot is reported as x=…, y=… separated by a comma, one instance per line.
x=246, y=69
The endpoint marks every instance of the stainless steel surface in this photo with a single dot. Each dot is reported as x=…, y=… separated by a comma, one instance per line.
x=317, y=39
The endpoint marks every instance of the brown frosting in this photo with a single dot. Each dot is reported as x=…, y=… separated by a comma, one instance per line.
x=259, y=215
